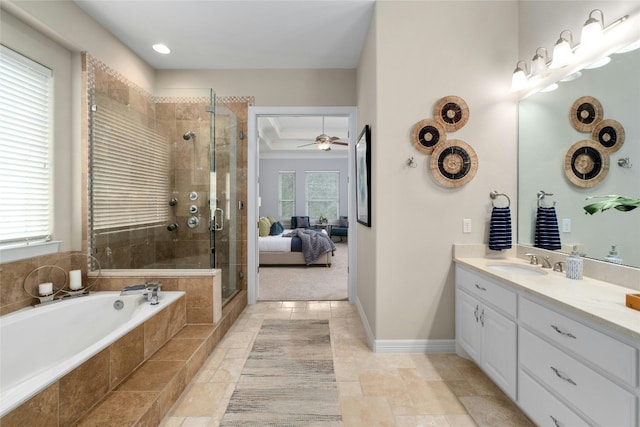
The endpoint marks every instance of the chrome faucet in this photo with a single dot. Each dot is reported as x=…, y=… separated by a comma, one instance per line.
x=149, y=290
x=546, y=262
x=533, y=259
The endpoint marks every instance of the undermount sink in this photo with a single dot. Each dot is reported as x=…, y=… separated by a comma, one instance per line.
x=524, y=270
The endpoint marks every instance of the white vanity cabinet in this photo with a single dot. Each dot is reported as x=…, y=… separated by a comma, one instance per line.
x=484, y=327
x=577, y=367
x=568, y=369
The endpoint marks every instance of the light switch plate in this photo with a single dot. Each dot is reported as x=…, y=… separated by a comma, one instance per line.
x=566, y=225
x=466, y=225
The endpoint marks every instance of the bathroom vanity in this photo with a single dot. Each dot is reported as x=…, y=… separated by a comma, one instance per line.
x=566, y=351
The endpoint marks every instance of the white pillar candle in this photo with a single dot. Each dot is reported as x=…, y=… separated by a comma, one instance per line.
x=75, y=280
x=45, y=289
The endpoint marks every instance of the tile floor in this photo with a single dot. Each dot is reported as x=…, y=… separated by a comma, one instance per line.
x=375, y=389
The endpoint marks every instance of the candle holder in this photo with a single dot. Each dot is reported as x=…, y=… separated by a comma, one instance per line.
x=83, y=289
x=56, y=290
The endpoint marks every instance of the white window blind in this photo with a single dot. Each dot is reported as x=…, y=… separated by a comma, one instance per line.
x=130, y=171
x=25, y=133
x=323, y=194
x=286, y=194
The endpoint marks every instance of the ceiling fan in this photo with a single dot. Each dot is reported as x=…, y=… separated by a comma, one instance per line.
x=324, y=141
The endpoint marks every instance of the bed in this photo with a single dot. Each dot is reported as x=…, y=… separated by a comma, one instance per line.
x=279, y=250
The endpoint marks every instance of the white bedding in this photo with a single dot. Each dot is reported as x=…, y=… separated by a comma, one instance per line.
x=276, y=243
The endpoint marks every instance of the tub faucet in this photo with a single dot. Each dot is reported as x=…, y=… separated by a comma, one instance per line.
x=149, y=290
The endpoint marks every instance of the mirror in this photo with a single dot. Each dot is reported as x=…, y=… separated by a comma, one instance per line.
x=546, y=134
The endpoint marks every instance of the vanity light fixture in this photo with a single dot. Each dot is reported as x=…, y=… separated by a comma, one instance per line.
x=571, y=77
x=631, y=47
x=519, y=78
x=550, y=88
x=563, y=51
x=592, y=30
x=599, y=63
x=539, y=62
x=161, y=48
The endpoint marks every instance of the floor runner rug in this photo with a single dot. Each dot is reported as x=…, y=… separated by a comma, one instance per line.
x=288, y=379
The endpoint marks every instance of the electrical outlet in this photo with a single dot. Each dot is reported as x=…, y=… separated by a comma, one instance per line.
x=566, y=225
x=466, y=225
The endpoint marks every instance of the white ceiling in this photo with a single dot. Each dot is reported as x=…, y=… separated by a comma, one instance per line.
x=244, y=34
x=248, y=34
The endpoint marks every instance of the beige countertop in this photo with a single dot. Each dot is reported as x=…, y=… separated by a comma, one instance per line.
x=600, y=302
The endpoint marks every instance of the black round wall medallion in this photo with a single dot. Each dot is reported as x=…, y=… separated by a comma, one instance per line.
x=585, y=112
x=585, y=164
x=452, y=112
x=453, y=163
x=610, y=134
x=427, y=134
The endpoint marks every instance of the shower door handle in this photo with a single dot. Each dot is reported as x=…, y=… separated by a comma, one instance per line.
x=218, y=226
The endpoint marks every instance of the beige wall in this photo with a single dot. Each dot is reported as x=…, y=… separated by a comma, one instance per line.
x=368, y=114
x=316, y=87
x=424, y=51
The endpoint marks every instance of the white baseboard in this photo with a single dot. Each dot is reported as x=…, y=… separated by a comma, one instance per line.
x=403, y=346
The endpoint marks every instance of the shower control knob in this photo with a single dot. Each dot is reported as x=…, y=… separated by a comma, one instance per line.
x=193, y=209
x=172, y=227
x=193, y=222
x=173, y=202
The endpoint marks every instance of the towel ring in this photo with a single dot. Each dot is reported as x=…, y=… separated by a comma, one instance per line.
x=541, y=195
x=494, y=194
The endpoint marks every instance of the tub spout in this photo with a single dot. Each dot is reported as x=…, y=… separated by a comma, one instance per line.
x=149, y=290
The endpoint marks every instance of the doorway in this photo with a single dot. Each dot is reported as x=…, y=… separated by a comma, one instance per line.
x=254, y=186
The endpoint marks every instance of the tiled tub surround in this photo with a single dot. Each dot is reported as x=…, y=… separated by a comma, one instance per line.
x=582, y=328
x=203, y=288
x=90, y=374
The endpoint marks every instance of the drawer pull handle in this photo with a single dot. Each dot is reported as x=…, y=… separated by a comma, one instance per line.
x=563, y=377
x=482, y=317
x=561, y=332
x=480, y=287
x=475, y=313
x=555, y=421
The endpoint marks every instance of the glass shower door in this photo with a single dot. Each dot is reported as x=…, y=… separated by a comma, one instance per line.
x=226, y=201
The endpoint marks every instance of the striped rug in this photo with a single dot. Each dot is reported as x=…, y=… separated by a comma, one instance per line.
x=288, y=379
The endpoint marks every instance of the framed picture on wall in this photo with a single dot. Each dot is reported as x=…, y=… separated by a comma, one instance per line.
x=363, y=177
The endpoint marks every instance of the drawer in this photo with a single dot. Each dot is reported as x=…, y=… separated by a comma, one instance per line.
x=476, y=284
x=594, y=395
x=608, y=354
x=542, y=407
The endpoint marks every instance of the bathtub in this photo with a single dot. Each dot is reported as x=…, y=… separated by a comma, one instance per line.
x=39, y=345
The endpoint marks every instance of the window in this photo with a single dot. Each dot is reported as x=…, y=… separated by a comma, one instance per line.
x=129, y=170
x=25, y=135
x=286, y=194
x=323, y=194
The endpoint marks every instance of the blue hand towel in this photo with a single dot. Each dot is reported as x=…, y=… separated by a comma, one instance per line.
x=547, y=234
x=500, y=229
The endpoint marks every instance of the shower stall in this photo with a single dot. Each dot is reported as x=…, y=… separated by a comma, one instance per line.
x=167, y=181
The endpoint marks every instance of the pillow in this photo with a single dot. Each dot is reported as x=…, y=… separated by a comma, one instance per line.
x=276, y=228
x=272, y=220
x=264, y=226
x=302, y=222
x=344, y=222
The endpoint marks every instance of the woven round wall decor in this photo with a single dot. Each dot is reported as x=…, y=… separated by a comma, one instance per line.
x=586, y=164
x=427, y=134
x=610, y=134
x=585, y=112
x=452, y=112
x=453, y=163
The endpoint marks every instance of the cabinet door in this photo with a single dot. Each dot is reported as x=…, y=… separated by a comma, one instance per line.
x=467, y=324
x=499, y=349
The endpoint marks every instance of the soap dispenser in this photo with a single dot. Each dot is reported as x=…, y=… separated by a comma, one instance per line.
x=574, y=265
x=613, y=256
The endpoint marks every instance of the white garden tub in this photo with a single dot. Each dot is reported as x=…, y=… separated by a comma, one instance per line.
x=39, y=345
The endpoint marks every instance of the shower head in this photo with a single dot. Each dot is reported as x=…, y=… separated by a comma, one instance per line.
x=187, y=136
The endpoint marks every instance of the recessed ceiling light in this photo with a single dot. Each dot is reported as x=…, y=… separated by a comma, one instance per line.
x=161, y=48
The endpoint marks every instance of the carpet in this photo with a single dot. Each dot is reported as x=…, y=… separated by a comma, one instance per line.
x=302, y=283
x=288, y=379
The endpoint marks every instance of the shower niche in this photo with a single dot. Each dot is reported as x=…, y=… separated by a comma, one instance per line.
x=167, y=178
